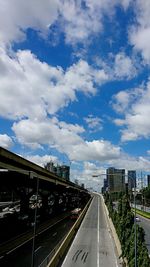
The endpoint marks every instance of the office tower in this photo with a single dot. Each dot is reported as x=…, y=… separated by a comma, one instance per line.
x=65, y=172
x=148, y=180
x=131, y=179
x=116, y=179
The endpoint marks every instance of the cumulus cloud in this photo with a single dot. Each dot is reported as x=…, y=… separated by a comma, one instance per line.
x=42, y=160
x=90, y=18
x=119, y=122
x=119, y=66
x=123, y=100
x=31, y=88
x=94, y=123
x=17, y=16
x=78, y=19
x=124, y=67
x=64, y=138
x=94, y=150
x=6, y=141
x=139, y=33
x=84, y=172
x=36, y=133
x=136, y=113
x=131, y=163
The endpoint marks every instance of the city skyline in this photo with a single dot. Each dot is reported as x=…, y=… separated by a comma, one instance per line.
x=75, y=85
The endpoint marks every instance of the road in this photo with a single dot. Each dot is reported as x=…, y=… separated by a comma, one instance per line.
x=145, y=223
x=44, y=244
x=93, y=244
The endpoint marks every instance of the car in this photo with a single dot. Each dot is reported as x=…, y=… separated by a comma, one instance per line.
x=75, y=213
x=137, y=219
x=5, y=214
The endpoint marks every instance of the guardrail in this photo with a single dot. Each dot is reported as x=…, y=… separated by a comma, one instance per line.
x=62, y=247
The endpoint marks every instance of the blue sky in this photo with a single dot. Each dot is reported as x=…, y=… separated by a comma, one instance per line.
x=75, y=84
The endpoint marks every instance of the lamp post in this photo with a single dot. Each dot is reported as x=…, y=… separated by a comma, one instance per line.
x=135, y=227
x=32, y=175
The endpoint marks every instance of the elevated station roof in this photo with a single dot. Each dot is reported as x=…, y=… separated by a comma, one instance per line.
x=14, y=162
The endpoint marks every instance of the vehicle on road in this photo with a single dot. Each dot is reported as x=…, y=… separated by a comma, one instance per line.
x=75, y=213
x=137, y=219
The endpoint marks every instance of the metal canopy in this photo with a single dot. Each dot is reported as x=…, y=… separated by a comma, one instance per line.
x=13, y=162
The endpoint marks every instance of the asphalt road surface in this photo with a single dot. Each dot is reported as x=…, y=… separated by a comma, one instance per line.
x=93, y=245
x=145, y=223
x=44, y=244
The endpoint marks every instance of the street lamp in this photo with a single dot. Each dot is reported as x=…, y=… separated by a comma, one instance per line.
x=33, y=175
x=135, y=227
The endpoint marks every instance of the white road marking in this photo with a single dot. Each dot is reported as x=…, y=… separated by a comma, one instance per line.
x=37, y=249
x=55, y=234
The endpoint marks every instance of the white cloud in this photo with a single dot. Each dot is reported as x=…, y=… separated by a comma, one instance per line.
x=84, y=173
x=94, y=123
x=129, y=135
x=123, y=100
x=5, y=141
x=42, y=160
x=124, y=67
x=31, y=88
x=136, y=113
x=139, y=33
x=119, y=66
x=64, y=138
x=119, y=122
x=77, y=23
x=140, y=38
x=131, y=163
x=16, y=16
x=95, y=150
x=36, y=133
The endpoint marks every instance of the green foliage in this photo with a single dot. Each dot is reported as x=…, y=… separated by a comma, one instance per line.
x=123, y=220
x=146, y=192
x=142, y=213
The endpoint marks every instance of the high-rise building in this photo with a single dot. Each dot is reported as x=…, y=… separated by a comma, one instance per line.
x=131, y=179
x=50, y=166
x=105, y=186
x=65, y=172
x=62, y=171
x=148, y=180
x=116, y=179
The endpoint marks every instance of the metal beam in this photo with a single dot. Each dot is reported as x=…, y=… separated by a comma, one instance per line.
x=13, y=162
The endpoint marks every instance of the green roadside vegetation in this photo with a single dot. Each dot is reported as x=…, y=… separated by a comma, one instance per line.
x=145, y=192
x=142, y=213
x=123, y=220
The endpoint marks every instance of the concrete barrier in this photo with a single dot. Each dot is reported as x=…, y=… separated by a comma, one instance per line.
x=68, y=239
